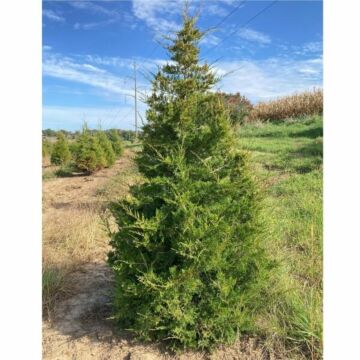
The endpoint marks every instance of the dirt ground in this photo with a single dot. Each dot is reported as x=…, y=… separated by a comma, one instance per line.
x=80, y=327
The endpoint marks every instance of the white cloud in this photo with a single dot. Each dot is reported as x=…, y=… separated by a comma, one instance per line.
x=52, y=15
x=156, y=13
x=68, y=69
x=210, y=40
x=112, y=15
x=253, y=35
x=46, y=47
x=268, y=79
x=93, y=25
x=93, y=7
x=309, y=48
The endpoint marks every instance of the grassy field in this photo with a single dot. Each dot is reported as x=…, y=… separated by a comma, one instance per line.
x=287, y=160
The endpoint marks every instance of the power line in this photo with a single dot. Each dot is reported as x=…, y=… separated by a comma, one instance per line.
x=236, y=8
x=241, y=26
x=124, y=117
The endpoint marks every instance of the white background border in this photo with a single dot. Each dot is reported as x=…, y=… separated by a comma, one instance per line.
x=20, y=190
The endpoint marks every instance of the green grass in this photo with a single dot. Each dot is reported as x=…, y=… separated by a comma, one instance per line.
x=287, y=159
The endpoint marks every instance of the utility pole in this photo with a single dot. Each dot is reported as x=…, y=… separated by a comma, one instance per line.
x=136, y=123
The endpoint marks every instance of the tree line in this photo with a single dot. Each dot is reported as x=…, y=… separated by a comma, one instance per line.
x=126, y=135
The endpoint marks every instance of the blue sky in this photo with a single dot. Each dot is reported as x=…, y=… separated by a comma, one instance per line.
x=89, y=48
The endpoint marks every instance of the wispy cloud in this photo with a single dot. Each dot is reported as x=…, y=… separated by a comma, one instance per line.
x=93, y=25
x=111, y=15
x=94, y=7
x=210, y=40
x=52, y=15
x=156, y=14
x=267, y=79
x=253, y=35
x=68, y=69
x=308, y=48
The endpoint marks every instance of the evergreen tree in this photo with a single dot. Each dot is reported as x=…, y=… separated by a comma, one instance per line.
x=89, y=155
x=116, y=142
x=188, y=257
x=60, y=153
x=107, y=148
x=46, y=148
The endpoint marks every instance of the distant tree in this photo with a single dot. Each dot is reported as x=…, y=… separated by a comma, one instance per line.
x=239, y=107
x=60, y=153
x=128, y=135
x=116, y=142
x=89, y=155
x=49, y=133
x=106, y=145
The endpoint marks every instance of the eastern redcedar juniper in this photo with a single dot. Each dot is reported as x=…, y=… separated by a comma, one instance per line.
x=107, y=147
x=116, y=142
x=188, y=260
x=60, y=154
x=89, y=155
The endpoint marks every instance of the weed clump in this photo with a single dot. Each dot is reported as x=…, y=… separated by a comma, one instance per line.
x=188, y=254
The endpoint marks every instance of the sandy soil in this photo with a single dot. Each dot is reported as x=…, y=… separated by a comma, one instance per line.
x=81, y=327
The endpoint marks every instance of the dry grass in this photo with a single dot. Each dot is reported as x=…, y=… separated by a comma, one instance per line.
x=297, y=105
x=74, y=231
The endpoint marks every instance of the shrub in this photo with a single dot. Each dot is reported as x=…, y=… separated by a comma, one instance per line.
x=116, y=142
x=46, y=148
x=239, y=107
x=60, y=153
x=73, y=147
x=297, y=105
x=89, y=154
x=107, y=148
x=187, y=256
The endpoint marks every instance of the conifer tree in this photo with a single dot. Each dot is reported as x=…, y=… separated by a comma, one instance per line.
x=107, y=148
x=116, y=142
x=60, y=153
x=46, y=148
x=188, y=257
x=89, y=155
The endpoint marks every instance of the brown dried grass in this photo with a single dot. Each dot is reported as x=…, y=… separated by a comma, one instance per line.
x=296, y=105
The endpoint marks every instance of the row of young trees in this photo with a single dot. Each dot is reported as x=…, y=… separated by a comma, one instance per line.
x=89, y=152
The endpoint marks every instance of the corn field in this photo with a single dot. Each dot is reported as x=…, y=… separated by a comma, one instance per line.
x=297, y=105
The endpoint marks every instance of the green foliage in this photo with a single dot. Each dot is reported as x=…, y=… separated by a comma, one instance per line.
x=46, y=147
x=127, y=135
x=188, y=257
x=116, y=142
x=89, y=154
x=49, y=133
x=107, y=147
x=239, y=107
x=60, y=153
